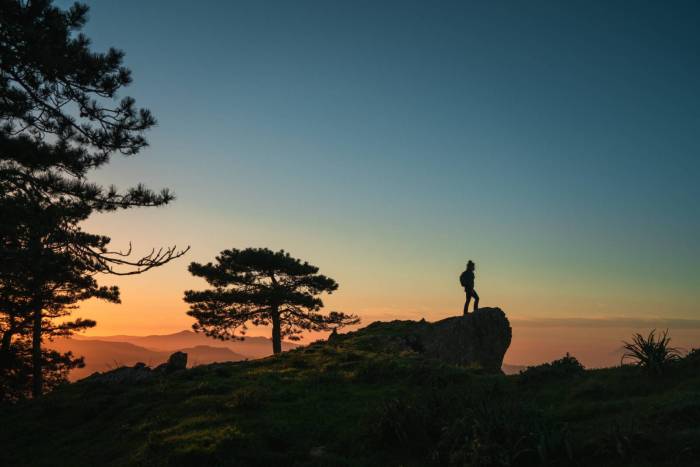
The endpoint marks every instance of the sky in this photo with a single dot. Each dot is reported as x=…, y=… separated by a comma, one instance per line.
x=555, y=144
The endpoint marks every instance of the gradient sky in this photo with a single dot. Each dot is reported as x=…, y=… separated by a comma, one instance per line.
x=554, y=143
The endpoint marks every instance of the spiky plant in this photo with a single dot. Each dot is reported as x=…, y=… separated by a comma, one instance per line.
x=652, y=352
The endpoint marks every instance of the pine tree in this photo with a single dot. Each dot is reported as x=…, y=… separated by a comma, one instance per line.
x=260, y=287
x=59, y=119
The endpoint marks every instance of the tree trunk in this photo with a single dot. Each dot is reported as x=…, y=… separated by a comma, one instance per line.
x=36, y=308
x=6, y=343
x=37, y=375
x=5, y=349
x=7, y=336
x=276, y=331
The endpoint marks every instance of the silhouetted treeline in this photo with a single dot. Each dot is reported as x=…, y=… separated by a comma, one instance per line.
x=59, y=120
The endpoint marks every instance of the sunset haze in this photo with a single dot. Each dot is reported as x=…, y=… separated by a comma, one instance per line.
x=389, y=143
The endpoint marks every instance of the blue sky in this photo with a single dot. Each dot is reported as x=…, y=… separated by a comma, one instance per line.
x=554, y=143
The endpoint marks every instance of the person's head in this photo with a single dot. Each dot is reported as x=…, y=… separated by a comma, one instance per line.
x=470, y=265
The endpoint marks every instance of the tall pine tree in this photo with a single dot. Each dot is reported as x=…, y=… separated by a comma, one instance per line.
x=260, y=287
x=59, y=119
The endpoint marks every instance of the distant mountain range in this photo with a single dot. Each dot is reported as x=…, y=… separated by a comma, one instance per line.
x=103, y=353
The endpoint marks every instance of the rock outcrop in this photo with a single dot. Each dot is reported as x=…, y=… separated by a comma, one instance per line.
x=177, y=361
x=481, y=338
x=140, y=371
x=478, y=339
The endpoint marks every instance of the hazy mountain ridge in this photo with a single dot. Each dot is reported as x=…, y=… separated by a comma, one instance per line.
x=250, y=347
x=106, y=355
x=103, y=353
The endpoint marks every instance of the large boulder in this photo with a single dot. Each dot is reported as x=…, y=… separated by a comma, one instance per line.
x=478, y=339
x=176, y=362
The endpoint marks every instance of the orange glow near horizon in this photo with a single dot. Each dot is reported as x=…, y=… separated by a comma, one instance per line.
x=398, y=282
x=151, y=307
x=390, y=161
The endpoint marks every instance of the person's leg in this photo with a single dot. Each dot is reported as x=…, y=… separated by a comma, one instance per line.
x=466, y=303
x=476, y=300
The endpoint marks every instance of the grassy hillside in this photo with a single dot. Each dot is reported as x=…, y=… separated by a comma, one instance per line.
x=360, y=400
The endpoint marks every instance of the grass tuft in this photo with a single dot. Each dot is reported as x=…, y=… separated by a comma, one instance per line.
x=652, y=353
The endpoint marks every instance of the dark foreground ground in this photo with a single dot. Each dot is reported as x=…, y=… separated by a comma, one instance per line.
x=361, y=401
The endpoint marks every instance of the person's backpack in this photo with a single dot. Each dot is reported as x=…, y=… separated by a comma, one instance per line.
x=463, y=279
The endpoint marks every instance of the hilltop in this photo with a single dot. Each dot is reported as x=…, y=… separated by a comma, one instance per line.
x=364, y=399
x=103, y=353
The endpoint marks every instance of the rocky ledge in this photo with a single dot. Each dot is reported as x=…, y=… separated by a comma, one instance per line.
x=478, y=339
x=481, y=338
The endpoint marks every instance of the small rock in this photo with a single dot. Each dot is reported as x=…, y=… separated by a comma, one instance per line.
x=177, y=361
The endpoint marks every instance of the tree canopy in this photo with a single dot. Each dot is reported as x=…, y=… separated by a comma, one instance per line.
x=60, y=117
x=261, y=287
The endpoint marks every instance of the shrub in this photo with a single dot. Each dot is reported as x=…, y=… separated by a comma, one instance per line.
x=248, y=399
x=503, y=432
x=622, y=443
x=566, y=367
x=401, y=424
x=652, y=352
x=693, y=357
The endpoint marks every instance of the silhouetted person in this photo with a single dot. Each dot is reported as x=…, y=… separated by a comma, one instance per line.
x=467, y=281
